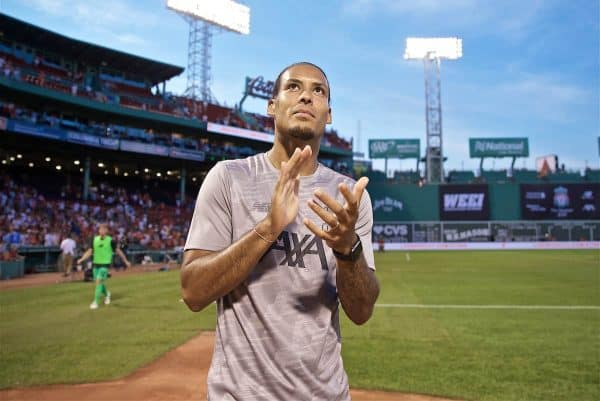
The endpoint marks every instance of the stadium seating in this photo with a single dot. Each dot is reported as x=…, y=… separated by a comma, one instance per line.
x=495, y=176
x=406, y=177
x=135, y=214
x=135, y=94
x=592, y=175
x=566, y=177
x=525, y=176
x=460, y=177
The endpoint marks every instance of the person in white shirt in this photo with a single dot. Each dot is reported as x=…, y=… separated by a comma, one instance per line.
x=67, y=247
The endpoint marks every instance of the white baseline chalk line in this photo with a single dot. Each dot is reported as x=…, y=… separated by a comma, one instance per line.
x=532, y=307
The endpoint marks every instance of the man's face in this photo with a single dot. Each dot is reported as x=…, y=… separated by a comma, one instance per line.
x=103, y=230
x=301, y=108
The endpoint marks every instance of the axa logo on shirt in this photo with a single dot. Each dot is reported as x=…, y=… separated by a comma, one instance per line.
x=296, y=248
x=464, y=202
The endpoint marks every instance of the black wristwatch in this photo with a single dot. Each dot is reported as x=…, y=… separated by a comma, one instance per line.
x=354, y=254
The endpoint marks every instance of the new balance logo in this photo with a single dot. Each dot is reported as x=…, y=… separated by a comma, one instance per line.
x=296, y=249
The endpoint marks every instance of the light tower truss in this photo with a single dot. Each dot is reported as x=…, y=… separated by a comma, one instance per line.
x=203, y=17
x=432, y=51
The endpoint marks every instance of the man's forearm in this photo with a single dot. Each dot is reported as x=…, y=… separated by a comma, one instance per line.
x=358, y=289
x=85, y=256
x=123, y=256
x=207, y=278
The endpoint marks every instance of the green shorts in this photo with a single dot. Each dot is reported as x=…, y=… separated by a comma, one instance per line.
x=100, y=272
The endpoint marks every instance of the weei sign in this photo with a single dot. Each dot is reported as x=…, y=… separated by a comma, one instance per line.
x=464, y=202
x=498, y=147
x=394, y=148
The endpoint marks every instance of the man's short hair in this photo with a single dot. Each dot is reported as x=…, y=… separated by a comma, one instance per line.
x=277, y=85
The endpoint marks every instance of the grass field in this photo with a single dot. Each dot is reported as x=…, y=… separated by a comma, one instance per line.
x=48, y=334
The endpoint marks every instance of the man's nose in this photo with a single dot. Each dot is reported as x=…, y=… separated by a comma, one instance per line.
x=305, y=96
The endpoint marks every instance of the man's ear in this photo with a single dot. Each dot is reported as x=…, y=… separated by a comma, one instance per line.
x=329, y=116
x=271, y=108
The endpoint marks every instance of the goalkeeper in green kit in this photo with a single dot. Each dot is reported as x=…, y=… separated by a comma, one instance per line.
x=102, y=249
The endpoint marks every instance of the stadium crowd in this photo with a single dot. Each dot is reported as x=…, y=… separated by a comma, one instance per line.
x=107, y=88
x=51, y=119
x=136, y=220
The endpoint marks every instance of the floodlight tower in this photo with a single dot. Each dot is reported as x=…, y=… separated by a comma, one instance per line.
x=203, y=17
x=432, y=51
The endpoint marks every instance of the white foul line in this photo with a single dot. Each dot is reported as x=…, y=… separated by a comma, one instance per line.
x=551, y=307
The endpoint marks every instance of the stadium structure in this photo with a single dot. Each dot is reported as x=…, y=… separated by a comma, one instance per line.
x=89, y=133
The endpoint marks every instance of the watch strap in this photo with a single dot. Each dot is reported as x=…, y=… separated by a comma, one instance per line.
x=354, y=254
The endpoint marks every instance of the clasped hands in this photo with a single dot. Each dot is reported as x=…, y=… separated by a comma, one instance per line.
x=340, y=220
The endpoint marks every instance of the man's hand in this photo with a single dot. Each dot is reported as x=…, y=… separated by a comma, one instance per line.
x=284, y=201
x=341, y=219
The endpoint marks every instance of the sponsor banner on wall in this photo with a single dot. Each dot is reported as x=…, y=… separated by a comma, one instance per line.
x=36, y=131
x=109, y=143
x=466, y=232
x=180, y=153
x=475, y=246
x=560, y=201
x=83, y=139
x=392, y=232
x=464, y=202
x=427, y=232
x=146, y=148
x=498, y=147
x=394, y=148
x=387, y=205
x=239, y=132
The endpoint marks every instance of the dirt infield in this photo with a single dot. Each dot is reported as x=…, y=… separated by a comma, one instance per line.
x=39, y=279
x=179, y=375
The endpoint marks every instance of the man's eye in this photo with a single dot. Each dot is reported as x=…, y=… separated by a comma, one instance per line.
x=293, y=86
x=319, y=90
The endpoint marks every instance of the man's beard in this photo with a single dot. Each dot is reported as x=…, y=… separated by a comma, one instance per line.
x=302, y=133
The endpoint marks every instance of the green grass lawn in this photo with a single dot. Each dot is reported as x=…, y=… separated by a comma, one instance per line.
x=482, y=354
x=48, y=334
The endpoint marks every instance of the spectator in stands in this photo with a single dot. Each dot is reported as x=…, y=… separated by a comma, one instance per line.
x=13, y=237
x=102, y=248
x=249, y=213
x=10, y=253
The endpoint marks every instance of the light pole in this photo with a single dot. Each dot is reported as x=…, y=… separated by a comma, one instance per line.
x=203, y=16
x=432, y=51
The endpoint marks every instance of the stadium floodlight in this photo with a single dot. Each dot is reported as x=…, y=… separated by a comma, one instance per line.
x=226, y=14
x=443, y=48
x=202, y=16
x=432, y=51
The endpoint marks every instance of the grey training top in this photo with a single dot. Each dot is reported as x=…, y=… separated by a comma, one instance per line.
x=278, y=333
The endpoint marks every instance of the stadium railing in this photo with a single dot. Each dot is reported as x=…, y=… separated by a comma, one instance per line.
x=44, y=259
x=12, y=269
